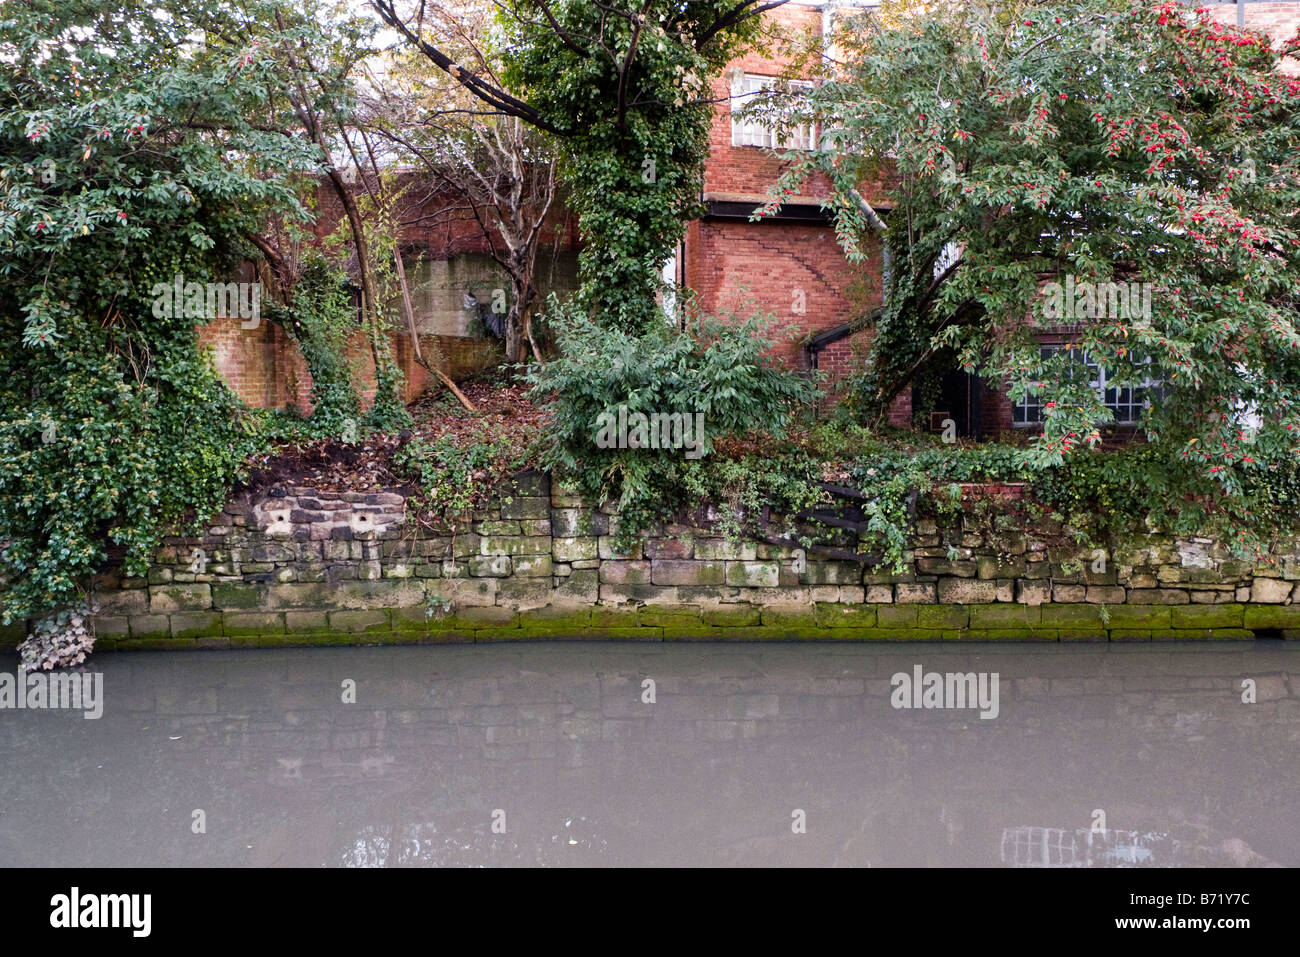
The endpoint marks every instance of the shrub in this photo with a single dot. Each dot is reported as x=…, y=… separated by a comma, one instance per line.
x=721, y=372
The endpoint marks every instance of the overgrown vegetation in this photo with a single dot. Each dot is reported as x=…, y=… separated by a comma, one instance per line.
x=322, y=319
x=112, y=427
x=455, y=477
x=1090, y=142
x=124, y=166
x=718, y=380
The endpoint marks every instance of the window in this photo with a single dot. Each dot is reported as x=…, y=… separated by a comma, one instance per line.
x=1039, y=847
x=951, y=253
x=748, y=131
x=1126, y=403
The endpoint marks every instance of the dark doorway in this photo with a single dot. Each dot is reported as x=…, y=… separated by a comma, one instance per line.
x=955, y=395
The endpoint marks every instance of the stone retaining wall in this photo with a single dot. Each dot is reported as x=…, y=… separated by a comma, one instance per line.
x=298, y=566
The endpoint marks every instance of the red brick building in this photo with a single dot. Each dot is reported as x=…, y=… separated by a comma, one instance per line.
x=788, y=266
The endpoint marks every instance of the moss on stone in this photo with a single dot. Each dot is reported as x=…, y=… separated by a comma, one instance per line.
x=1138, y=616
x=154, y=644
x=734, y=616
x=253, y=623
x=197, y=624
x=1006, y=616
x=1075, y=616
x=1208, y=616
x=1259, y=617
x=942, y=616
x=238, y=595
x=837, y=616
x=578, y=621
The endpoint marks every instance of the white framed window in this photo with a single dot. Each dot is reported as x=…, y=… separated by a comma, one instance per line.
x=747, y=131
x=951, y=253
x=668, y=300
x=1039, y=847
x=1126, y=403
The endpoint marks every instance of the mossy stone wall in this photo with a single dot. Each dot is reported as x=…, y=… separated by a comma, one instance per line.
x=302, y=566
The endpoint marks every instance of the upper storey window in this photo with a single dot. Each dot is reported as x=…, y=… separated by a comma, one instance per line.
x=748, y=131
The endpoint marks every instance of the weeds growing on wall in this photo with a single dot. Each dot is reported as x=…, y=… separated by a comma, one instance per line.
x=321, y=318
x=454, y=477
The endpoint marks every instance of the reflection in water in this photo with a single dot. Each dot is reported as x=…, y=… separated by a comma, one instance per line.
x=1086, y=847
x=547, y=754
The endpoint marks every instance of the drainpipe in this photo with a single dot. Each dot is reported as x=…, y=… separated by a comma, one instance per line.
x=878, y=226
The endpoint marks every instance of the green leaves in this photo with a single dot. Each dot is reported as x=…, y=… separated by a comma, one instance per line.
x=721, y=372
x=129, y=153
x=1102, y=141
x=627, y=84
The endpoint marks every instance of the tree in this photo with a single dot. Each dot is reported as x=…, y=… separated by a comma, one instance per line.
x=623, y=88
x=486, y=167
x=1089, y=143
x=127, y=158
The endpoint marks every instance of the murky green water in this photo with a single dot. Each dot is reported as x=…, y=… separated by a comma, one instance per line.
x=548, y=754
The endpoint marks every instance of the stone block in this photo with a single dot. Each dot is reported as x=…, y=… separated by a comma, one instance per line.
x=719, y=549
x=967, y=591
x=533, y=566
x=253, y=623
x=490, y=566
x=359, y=622
x=238, y=596
x=668, y=548
x=678, y=572
x=833, y=573
x=1270, y=591
x=527, y=545
x=608, y=551
x=579, y=587
x=1158, y=596
x=164, y=599
x=942, y=616
x=749, y=575
x=1208, y=616
x=525, y=593
x=575, y=549
x=844, y=616
x=915, y=593
x=573, y=522
x=194, y=624
x=625, y=573
x=526, y=508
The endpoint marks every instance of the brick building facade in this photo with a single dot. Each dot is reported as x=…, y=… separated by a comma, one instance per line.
x=787, y=266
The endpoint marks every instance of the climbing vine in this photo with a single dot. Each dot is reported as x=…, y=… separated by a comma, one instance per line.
x=122, y=167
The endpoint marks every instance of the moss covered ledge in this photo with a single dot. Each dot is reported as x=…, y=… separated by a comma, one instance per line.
x=823, y=621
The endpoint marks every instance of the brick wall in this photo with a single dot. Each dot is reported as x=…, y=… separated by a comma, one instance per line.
x=1280, y=20
x=793, y=271
x=266, y=369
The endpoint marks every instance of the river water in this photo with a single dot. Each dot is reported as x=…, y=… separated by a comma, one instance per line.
x=663, y=754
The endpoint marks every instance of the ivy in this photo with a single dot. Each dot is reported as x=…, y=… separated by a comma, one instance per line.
x=121, y=167
x=321, y=319
x=627, y=87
